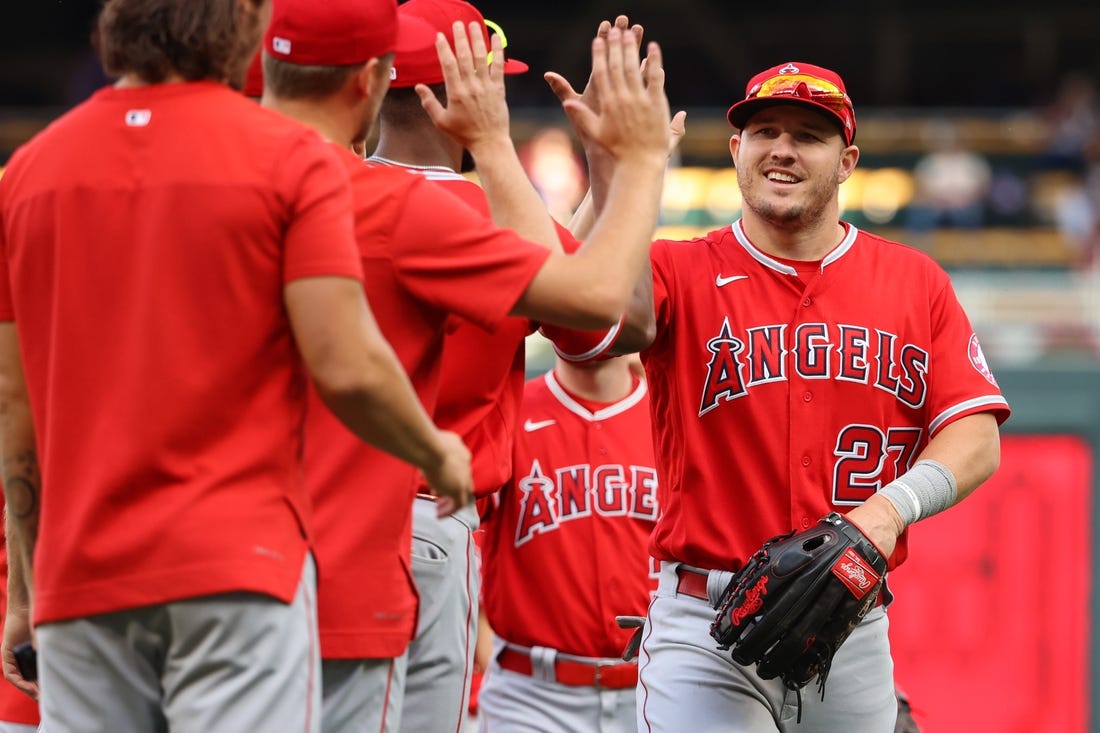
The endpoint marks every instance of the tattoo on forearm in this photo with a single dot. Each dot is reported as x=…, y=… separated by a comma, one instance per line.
x=22, y=489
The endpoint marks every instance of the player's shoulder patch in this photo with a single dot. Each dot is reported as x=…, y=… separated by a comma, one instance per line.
x=978, y=361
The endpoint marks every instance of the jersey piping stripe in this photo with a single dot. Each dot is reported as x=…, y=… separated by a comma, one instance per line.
x=839, y=251
x=595, y=350
x=987, y=401
x=431, y=172
x=573, y=406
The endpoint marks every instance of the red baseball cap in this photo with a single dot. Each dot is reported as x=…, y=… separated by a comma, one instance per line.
x=421, y=66
x=341, y=32
x=797, y=83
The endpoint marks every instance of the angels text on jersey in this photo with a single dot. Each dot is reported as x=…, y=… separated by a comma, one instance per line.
x=549, y=499
x=820, y=351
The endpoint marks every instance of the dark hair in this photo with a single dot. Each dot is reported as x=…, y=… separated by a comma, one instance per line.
x=196, y=39
x=402, y=108
x=295, y=81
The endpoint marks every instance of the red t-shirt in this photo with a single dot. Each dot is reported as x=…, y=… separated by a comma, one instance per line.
x=146, y=240
x=777, y=400
x=425, y=254
x=565, y=549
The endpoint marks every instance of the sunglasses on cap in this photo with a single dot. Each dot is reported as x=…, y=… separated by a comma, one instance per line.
x=803, y=86
x=503, y=38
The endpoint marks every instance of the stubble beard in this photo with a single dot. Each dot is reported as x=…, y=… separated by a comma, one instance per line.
x=805, y=211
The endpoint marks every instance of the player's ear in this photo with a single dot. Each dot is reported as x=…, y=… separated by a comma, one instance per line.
x=848, y=159
x=735, y=144
x=374, y=78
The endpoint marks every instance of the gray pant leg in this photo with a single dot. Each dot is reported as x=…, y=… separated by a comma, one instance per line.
x=685, y=683
x=224, y=663
x=515, y=703
x=257, y=669
x=362, y=695
x=859, y=690
x=445, y=567
x=101, y=674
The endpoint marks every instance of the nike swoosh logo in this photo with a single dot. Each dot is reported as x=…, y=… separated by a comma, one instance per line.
x=531, y=426
x=720, y=281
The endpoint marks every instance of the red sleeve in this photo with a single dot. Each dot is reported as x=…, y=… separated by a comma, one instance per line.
x=581, y=346
x=573, y=345
x=320, y=238
x=455, y=258
x=960, y=380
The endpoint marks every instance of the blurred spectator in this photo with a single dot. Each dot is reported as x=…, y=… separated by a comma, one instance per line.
x=1072, y=120
x=1077, y=210
x=556, y=170
x=951, y=182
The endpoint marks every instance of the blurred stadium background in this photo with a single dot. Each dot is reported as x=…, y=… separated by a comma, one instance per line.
x=979, y=126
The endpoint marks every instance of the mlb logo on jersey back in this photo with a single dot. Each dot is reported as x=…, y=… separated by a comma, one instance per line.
x=281, y=45
x=138, y=117
x=977, y=359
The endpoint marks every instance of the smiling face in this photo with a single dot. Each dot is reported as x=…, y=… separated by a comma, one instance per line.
x=790, y=163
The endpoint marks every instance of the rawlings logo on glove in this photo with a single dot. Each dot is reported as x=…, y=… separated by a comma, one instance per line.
x=797, y=599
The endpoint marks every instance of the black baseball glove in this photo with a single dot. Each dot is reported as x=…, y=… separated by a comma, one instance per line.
x=798, y=598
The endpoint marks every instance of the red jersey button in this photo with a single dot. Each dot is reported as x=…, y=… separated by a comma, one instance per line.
x=805, y=522
x=807, y=302
x=807, y=396
x=805, y=460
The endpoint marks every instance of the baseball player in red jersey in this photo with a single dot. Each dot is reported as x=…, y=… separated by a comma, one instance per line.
x=177, y=262
x=426, y=254
x=481, y=385
x=798, y=366
x=566, y=552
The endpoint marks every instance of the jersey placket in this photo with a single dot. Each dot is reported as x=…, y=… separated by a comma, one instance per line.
x=805, y=405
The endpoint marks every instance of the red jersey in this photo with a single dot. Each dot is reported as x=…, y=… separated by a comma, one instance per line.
x=565, y=549
x=425, y=254
x=147, y=238
x=481, y=383
x=782, y=400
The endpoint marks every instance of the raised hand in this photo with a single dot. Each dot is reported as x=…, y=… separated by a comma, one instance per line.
x=590, y=96
x=476, y=110
x=633, y=118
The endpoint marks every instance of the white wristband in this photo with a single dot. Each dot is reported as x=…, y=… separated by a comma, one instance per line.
x=926, y=489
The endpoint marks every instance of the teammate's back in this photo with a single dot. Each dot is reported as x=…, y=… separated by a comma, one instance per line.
x=151, y=232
